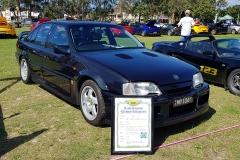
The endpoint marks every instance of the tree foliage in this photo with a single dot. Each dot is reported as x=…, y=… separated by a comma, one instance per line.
x=99, y=9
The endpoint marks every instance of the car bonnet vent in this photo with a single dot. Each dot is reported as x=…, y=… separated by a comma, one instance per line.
x=124, y=56
x=150, y=54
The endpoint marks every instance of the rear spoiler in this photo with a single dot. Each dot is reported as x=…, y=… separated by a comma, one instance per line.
x=23, y=34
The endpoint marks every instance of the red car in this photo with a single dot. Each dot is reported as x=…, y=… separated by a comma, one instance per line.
x=128, y=28
x=44, y=19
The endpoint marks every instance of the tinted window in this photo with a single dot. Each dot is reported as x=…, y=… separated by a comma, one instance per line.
x=58, y=36
x=42, y=34
x=88, y=37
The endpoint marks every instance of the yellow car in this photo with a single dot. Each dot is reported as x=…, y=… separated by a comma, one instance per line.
x=199, y=28
x=6, y=28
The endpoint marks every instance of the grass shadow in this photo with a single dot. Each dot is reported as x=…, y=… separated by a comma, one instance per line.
x=17, y=79
x=161, y=134
x=6, y=144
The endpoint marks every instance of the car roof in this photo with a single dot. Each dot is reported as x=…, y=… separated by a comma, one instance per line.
x=70, y=23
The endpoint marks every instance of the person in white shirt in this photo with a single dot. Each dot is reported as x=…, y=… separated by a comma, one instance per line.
x=186, y=22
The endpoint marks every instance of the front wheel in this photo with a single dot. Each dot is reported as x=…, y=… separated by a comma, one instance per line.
x=91, y=103
x=233, y=82
x=169, y=33
x=25, y=71
x=233, y=31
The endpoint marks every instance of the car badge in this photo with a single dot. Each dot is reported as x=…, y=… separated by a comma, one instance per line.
x=175, y=77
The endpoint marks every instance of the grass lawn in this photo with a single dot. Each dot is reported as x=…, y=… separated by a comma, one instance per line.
x=34, y=124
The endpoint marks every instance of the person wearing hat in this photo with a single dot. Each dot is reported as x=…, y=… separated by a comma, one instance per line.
x=186, y=23
x=65, y=17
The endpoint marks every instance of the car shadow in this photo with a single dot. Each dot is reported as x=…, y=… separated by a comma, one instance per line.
x=161, y=134
x=17, y=79
x=6, y=144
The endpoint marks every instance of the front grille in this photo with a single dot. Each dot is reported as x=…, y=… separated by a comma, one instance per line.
x=172, y=89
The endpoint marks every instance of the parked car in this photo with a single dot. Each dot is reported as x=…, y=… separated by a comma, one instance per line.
x=217, y=28
x=6, y=29
x=199, y=29
x=128, y=28
x=44, y=19
x=233, y=28
x=150, y=29
x=217, y=59
x=136, y=27
x=171, y=29
x=83, y=63
x=29, y=21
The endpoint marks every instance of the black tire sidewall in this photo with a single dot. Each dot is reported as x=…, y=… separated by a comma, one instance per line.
x=99, y=120
x=231, y=88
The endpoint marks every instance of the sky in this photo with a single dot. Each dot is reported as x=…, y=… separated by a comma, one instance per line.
x=233, y=2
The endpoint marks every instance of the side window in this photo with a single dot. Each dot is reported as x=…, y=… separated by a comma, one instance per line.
x=58, y=36
x=208, y=47
x=32, y=36
x=42, y=34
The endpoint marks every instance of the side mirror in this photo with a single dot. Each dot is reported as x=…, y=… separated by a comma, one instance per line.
x=61, y=49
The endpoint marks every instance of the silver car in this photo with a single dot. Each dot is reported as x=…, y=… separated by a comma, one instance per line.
x=234, y=29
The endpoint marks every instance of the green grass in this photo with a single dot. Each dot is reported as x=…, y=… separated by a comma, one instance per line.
x=34, y=124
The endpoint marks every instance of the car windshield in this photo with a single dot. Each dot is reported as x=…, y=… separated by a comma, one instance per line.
x=228, y=48
x=88, y=38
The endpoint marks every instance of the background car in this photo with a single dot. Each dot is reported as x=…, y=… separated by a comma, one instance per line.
x=84, y=64
x=44, y=19
x=217, y=59
x=136, y=27
x=150, y=29
x=6, y=29
x=171, y=29
x=199, y=28
x=127, y=27
x=217, y=28
x=233, y=28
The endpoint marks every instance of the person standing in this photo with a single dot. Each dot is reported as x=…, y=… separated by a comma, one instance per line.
x=88, y=18
x=186, y=22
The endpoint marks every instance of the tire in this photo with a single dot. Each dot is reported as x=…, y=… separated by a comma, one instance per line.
x=169, y=33
x=91, y=103
x=213, y=32
x=233, y=31
x=25, y=71
x=233, y=82
x=143, y=33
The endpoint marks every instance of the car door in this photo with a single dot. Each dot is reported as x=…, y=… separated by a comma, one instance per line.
x=57, y=71
x=34, y=49
x=202, y=55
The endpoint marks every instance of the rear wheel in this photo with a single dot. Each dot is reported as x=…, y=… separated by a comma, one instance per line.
x=233, y=82
x=213, y=32
x=25, y=71
x=91, y=103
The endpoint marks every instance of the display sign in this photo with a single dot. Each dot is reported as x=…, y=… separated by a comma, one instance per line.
x=132, y=125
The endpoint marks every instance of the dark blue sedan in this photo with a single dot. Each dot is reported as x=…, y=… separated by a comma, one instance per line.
x=83, y=63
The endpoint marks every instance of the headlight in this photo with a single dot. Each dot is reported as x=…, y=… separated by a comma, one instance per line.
x=197, y=80
x=140, y=88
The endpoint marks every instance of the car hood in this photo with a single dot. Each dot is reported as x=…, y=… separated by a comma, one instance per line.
x=144, y=65
x=151, y=23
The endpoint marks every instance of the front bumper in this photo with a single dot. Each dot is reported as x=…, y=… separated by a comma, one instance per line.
x=164, y=112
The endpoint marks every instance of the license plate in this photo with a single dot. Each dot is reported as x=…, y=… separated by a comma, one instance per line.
x=154, y=32
x=2, y=33
x=204, y=30
x=182, y=101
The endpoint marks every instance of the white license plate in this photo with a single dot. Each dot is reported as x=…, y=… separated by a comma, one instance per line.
x=154, y=32
x=2, y=33
x=182, y=101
